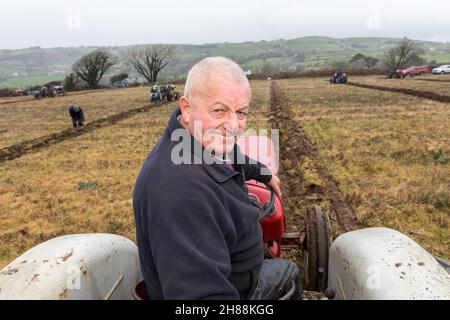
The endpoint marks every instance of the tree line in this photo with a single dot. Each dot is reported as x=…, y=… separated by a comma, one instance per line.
x=147, y=61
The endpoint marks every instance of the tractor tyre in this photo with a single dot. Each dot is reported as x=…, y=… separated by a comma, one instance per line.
x=318, y=243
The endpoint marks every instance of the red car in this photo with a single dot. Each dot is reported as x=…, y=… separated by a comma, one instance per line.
x=412, y=71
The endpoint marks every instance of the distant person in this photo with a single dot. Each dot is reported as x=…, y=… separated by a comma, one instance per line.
x=77, y=115
x=155, y=93
x=393, y=73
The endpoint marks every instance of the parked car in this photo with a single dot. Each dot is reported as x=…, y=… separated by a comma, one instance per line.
x=442, y=69
x=412, y=71
x=120, y=84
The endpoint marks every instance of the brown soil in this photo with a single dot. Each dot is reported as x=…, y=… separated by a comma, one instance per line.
x=72, y=93
x=16, y=101
x=316, y=74
x=432, y=80
x=295, y=147
x=298, y=193
x=417, y=93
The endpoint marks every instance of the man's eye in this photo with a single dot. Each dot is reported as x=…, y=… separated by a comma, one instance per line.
x=219, y=110
x=241, y=114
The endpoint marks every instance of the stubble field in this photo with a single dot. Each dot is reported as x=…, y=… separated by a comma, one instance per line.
x=384, y=155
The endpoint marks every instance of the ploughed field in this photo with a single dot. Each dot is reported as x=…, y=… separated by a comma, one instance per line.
x=370, y=157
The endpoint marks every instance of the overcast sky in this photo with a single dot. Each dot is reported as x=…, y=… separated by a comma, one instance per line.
x=65, y=23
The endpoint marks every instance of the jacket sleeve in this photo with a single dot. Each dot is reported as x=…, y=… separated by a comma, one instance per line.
x=256, y=171
x=189, y=235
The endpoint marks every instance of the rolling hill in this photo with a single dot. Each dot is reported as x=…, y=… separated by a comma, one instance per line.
x=37, y=65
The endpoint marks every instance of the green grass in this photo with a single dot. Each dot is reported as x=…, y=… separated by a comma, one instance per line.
x=440, y=57
x=87, y=185
x=28, y=81
x=257, y=64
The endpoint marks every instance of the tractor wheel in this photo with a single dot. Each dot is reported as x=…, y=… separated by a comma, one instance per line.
x=318, y=243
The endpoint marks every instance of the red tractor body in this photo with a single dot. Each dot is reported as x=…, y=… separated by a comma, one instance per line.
x=273, y=221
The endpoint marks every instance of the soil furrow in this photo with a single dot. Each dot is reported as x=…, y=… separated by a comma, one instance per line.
x=417, y=93
x=296, y=149
x=20, y=149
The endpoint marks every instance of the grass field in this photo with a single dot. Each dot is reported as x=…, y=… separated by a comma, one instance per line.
x=439, y=84
x=389, y=153
x=32, y=118
x=22, y=82
x=80, y=185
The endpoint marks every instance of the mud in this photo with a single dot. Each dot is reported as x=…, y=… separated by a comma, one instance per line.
x=295, y=149
x=16, y=101
x=432, y=80
x=72, y=93
x=416, y=93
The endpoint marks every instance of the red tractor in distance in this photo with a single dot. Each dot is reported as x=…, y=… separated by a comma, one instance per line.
x=16, y=92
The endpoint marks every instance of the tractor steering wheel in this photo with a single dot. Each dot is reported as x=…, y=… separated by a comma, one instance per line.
x=268, y=208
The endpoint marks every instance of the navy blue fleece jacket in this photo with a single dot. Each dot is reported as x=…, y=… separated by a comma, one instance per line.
x=197, y=231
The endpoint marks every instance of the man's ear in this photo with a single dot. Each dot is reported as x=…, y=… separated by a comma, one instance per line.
x=185, y=109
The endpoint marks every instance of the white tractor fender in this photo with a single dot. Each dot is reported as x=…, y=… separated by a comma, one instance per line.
x=81, y=266
x=381, y=263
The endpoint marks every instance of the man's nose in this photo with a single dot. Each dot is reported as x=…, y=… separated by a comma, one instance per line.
x=232, y=122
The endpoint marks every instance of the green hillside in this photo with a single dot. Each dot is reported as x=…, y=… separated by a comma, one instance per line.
x=33, y=65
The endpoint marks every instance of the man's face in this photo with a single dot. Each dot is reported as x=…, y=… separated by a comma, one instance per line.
x=220, y=116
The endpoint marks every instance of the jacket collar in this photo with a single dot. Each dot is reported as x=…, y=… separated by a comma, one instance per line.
x=218, y=172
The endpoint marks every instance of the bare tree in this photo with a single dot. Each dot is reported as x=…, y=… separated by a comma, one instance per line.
x=399, y=56
x=149, y=61
x=93, y=66
x=70, y=81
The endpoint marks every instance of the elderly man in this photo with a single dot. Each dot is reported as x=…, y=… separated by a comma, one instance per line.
x=197, y=231
x=77, y=115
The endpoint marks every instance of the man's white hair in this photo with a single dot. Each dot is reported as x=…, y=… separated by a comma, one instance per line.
x=198, y=81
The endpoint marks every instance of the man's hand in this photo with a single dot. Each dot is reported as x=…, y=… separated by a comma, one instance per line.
x=275, y=184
